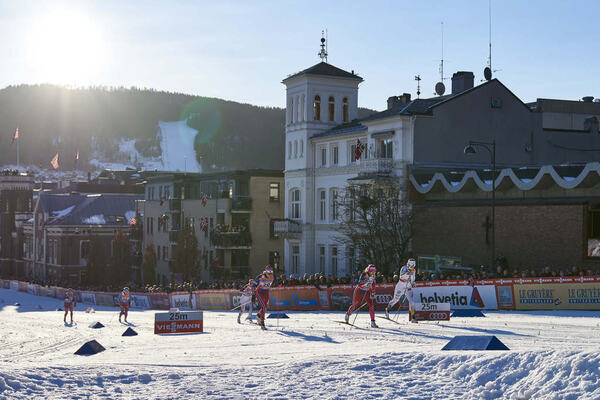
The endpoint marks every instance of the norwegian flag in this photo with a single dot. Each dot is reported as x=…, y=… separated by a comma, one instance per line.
x=132, y=221
x=359, y=149
x=204, y=198
x=203, y=224
x=54, y=161
x=15, y=136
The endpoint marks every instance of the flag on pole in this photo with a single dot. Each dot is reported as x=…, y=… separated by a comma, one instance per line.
x=54, y=161
x=15, y=136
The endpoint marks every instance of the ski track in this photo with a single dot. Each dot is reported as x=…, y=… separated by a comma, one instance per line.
x=553, y=356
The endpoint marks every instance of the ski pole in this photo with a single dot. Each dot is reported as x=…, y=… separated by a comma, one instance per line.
x=358, y=309
x=243, y=304
x=402, y=298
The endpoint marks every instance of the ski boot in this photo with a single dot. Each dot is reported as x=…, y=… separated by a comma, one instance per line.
x=239, y=316
x=373, y=324
x=260, y=321
x=387, y=313
x=347, y=318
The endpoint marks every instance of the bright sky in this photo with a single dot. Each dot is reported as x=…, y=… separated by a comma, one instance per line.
x=241, y=50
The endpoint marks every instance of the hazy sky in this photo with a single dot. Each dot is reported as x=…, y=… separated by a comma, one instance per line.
x=241, y=50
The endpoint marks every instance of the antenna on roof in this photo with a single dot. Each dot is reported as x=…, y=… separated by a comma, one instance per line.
x=487, y=71
x=439, y=87
x=323, y=53
x=418, y=79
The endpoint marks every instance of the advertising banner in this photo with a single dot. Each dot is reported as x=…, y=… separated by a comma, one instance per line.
x=182, y=300
x=562, y=296
x=22, y=286
x=33, y=289
x=178, y=322
x=459, y=297
x=59, y=293
x=140, y=301
x=294, y=298
x=49, y=292
x=340, y=296
x=6, y=284
x=88, y=298
x=217, y=299
x=14, y=285
x=431, y=312
x=505, y=297
x=159, y=301
x=104, y=299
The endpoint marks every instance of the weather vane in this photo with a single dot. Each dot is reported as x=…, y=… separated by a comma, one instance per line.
x=323, y=53
x=418, y=79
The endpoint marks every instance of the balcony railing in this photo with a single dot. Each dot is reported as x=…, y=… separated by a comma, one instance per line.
x=230, y=239
x=377, y=166
x=241, y=203
x=287, y=227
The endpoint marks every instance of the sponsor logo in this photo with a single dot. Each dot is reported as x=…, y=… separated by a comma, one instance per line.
x=455, y=299
x=140, y=301
x=88, y=298
x=383, y=298
x=476, y=300
x=180, y=303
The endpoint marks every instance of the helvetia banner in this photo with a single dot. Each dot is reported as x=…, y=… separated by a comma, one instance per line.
x=460, y=297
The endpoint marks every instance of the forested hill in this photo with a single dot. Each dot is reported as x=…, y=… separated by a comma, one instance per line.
x=96, y=120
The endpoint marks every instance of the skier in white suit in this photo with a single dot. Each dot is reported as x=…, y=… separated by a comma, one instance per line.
x=404, y=286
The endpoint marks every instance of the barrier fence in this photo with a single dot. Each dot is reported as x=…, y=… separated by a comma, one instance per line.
x=565, y=293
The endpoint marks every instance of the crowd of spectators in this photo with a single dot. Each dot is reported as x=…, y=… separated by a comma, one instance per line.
x=321, y=280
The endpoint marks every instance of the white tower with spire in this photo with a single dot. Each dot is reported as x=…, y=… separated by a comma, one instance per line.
x=318, y=99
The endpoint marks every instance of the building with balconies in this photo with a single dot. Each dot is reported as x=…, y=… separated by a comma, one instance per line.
x=232, y=215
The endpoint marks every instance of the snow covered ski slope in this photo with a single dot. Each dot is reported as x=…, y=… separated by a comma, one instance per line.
x=554, y=355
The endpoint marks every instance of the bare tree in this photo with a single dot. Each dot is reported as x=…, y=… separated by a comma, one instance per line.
x=376, y=221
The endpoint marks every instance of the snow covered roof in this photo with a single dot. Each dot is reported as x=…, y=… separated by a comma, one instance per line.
x=97, y=209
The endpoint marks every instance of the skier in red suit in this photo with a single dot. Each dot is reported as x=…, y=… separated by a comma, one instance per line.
x=69, y=304
x=364, y=291
x=262, y=285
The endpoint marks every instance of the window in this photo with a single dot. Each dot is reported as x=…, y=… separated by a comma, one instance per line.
x=84, y=249
x=274, y=191
x=302, y=109
x=291, y=110
x=334, y=260
x=352, y=153
x=298, y=116
x=334, y=204
x=334, y=155
x=165, y=252
x=385, y=148
x=289, y=149
x=158, y=252
x=323, y=156
x=322, y=259
x=295, y=259
x=345, y=109
x=322, y=205
x=295, y=204
x=331, y=108
x=317, y=107
x=295, y=149
x=301, y=148
x=350, y=259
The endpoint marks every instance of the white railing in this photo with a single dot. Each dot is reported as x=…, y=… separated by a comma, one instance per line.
x=287, y=226
x=377, y=165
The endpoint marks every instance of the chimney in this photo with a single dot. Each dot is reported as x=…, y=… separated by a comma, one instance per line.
x=394, y=101
x=461, y=81
x=588, y=99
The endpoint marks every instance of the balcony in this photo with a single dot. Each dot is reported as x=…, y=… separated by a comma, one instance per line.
x=287, y=228
x=378, y=166
x=229, y=238
x=241, y=204
x=173, y=236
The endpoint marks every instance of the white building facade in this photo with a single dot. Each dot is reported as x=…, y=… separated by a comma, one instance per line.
x=322, y=132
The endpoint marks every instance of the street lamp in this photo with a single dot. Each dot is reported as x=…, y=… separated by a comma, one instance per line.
x=491, y=147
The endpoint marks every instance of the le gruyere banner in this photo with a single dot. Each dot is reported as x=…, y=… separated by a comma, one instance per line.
x=558, y=296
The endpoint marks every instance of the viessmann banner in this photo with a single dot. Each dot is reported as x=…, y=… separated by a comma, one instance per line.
x=558, y=296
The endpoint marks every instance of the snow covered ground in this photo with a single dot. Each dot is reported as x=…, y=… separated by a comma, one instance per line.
x=554, y=355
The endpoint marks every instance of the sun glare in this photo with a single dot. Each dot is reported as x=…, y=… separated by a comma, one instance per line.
x=66, y=48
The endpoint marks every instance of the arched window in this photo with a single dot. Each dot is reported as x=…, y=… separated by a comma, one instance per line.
x=295, y=149
x=298, y=116
x=301, y=148
x=345, y=109
x=289, y=149
x=295, y=203
x=291, y=114
x=317, y=107
x=302, y=113
x=331, y=108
